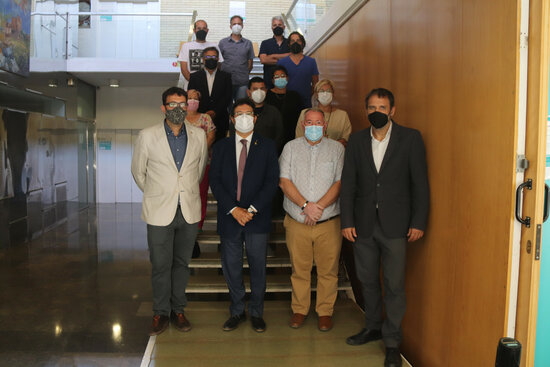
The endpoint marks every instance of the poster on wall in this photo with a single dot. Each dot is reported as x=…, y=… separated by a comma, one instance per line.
x=15, y=33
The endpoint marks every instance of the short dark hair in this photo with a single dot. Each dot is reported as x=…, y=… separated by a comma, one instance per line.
x=380, y=93
x=301, y=37
x=200, y=20
x=256, y=79
x=236, y=16
x=211, y=48
x=280, y=67
x=171, y=91
x=240, y=102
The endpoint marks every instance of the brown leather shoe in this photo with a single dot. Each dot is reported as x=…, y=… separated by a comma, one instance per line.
x=160, y=323
x=297, y=320
x=180, y=322
x=325, y=323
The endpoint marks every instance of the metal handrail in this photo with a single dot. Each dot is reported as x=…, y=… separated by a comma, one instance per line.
x=123, y=14
x=292, y=6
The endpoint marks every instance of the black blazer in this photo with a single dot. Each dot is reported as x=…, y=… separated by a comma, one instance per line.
x=260, y=182
x=219, y=101
x=400, y=189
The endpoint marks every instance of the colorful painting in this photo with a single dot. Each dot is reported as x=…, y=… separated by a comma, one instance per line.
x=15, y=35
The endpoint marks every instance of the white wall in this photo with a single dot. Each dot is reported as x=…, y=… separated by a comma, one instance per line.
x=115, y=183
x=121, y=114
x=129, y=107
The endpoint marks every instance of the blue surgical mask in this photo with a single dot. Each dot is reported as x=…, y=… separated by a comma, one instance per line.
x=314, y=132
x=280, y=83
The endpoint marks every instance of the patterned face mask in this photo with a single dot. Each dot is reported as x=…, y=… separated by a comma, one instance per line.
x=176, y=115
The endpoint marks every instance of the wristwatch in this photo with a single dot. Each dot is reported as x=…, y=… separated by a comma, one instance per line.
x=305, y=204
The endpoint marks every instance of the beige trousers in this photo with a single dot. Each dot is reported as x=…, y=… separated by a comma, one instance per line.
x=320, y=243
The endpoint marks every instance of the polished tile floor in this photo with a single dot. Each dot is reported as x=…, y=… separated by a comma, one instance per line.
x=71, y=296
x=208, y=345
x=80, y=295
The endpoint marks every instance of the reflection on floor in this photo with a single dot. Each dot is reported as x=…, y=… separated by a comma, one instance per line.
x=70, y=297
x=208, y=345
x=80, y=295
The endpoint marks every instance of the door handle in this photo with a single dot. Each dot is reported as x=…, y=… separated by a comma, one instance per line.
x=546, y=203
x=528, y=185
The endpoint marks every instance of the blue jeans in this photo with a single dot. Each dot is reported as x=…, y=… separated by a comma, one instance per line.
x=170, y=250
x=232, y=265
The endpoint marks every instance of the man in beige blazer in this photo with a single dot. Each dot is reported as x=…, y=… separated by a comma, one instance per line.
x=168, y=164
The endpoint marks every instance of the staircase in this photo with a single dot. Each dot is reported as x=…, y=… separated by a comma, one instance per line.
x=207, y=276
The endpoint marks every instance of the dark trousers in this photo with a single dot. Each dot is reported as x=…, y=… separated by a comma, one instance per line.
x=369, y=252
x=232, y=265
x=170, y=250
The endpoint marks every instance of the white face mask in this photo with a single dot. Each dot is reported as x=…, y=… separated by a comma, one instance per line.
x=258, y=96
x=324, y=98
x=244, y=123
x=236, y=28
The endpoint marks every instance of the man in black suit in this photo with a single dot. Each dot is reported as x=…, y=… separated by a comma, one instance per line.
x=215, y=88
x=384, y=203
x=244, y=175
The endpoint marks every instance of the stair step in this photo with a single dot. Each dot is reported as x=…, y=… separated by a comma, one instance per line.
x=212, y=217
x=212, y=238
x=211, y=260
x=276, y=283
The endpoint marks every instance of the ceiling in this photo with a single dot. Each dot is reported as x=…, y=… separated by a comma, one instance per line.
x=102, y=79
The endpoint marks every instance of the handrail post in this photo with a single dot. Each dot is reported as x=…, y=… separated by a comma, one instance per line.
x=67, y=36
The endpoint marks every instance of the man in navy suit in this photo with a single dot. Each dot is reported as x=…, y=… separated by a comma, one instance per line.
x=244, y=176
x=215, y=88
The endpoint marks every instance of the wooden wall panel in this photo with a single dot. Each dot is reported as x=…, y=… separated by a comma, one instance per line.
x=452, y=66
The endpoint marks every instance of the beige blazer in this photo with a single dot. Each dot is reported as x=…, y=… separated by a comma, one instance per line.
x=156, y=174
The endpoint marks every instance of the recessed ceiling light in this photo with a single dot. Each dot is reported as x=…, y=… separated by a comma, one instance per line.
x=113, y=83
x=52, y=83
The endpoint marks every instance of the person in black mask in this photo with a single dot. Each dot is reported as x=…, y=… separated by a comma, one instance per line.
x=273, y=49
x=168, y=163
x=215, y=87
x=384, y=204
x=302, y=70
x=190, y=55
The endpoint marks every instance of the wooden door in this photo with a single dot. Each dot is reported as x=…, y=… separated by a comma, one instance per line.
x=454, y=69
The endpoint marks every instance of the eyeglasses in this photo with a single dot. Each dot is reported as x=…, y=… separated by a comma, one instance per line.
x=176, y=104
x=248, y=113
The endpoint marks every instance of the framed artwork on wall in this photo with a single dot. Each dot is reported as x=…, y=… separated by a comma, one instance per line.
x=15, y=34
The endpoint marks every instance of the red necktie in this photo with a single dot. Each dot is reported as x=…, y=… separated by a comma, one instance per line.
x=240, y=172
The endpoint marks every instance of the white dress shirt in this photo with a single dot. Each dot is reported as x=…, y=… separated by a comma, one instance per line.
x=379, y=147
x=210, y=80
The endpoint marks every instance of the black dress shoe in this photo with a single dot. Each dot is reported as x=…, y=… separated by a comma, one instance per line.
x=364, y=336
x=160, y=323
x=258, y=324
x=233, y=322
x=180, y=322
x=393, y=358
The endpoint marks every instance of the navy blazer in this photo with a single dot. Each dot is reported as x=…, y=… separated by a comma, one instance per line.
x=219, y=101
x=400, y=188
x=260, y=182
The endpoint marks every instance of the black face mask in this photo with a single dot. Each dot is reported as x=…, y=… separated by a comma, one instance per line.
x=211, y=63
x=295, y=48
x=378, y=119
x=201, y=35
x=176, y=115
x=278, y=31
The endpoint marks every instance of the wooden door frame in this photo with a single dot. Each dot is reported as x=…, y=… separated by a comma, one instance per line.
x=535, y=148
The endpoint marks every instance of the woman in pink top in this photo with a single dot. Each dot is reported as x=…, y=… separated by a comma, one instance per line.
x=203, y=121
